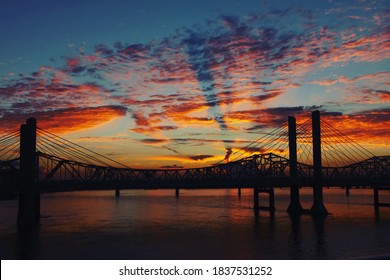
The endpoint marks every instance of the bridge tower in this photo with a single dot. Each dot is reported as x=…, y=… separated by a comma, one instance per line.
x=295, y=205
x=29, y=198
x=318, y=207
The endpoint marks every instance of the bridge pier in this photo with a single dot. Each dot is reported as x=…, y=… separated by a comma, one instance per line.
x=376, y=198
x=239, y=192
x=29, y=198
x=271, y=199
x=377, y=203
x=295, y=205
x=318, y=207
x=117, y=193
x=177, y=192
x=347, y=190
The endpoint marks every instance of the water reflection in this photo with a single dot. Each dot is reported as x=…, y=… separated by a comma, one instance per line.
x=28, y=243
x=295, y=238
x=320, y=236
x=197, y=225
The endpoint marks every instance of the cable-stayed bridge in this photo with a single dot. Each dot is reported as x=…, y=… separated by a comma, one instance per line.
x=311, y=153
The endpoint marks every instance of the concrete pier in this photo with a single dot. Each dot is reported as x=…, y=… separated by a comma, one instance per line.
x=271, y=199
x=295, y=205
x=29, y=197
x=318, y=207
x=377, y=202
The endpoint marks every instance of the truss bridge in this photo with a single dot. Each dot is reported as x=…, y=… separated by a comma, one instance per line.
x=310, y=154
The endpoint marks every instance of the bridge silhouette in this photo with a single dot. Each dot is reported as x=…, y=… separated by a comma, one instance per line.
x=309, y=154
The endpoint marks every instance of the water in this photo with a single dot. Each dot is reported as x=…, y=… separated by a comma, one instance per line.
x=200, y=224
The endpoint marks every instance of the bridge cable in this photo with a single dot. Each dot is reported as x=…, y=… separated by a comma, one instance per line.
x=66, y=151
x=357, y=152
x=334, y=144
x=9, y=135
x=329, y=147
x=14, y=151
x=261, y=143
x=237, y=155
x=68, y=148
x=304, y=142
x=81, y=152
x=6, y=145
x=9, y=145
x=351, y=141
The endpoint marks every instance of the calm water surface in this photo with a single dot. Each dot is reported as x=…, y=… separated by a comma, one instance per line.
x=200, y=224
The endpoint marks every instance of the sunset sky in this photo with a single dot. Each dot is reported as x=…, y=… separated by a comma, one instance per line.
x=177, y=83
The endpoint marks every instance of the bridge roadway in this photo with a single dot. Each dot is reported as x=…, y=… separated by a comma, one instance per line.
x=258, y=171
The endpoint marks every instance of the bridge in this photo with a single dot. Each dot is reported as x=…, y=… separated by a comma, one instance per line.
x=310, y=154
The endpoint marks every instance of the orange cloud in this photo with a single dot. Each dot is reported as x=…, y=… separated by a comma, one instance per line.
x=365, y=128
x=67, y=120
x=187, y=161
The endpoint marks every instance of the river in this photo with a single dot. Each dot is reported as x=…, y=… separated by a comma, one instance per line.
x=200, y=224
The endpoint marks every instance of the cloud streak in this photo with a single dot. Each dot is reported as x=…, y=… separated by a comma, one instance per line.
x=66, y=120
x=231, y=74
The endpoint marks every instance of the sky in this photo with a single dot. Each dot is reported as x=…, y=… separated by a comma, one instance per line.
x=160, y=84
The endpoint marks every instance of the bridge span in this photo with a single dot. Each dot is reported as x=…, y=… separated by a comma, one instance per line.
x=37, y=167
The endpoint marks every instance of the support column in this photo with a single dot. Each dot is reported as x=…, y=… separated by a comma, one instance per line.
x=177, y=192
x=295, y=205
x=256, y=205
x=239, y=192
x=376, y=198
x=271, y=199
x=318, y=207
x=117, y=192
x=29, y=198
